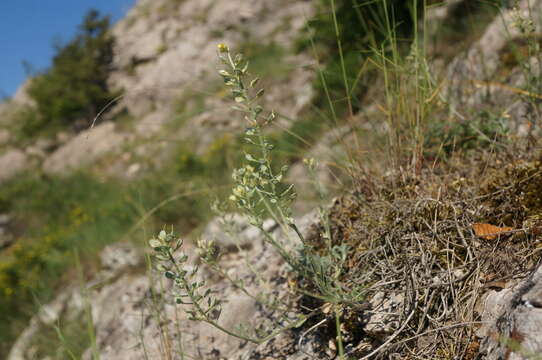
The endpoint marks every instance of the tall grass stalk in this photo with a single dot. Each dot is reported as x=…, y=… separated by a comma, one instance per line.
x=91, y=331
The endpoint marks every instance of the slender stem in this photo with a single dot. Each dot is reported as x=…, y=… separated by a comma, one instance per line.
x=339, y=335
x=341, y=57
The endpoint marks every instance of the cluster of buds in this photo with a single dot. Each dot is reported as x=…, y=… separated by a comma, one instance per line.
x=188, y=290
x=256, y=185
x=522, y=22
x=233, y=76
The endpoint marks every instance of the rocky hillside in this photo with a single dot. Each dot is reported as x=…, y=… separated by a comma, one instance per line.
x=420, y=173
x=164, y=60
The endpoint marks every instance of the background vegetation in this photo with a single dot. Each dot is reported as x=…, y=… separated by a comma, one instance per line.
x=74, y=89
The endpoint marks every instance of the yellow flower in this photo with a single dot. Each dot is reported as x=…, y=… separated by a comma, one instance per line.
x=222, y=48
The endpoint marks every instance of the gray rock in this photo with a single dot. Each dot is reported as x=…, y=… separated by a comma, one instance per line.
x=232, y=232
x=63, y=137
x=482, y=59
x=40, y=148
x=117, y=260
x=4, y=136
x=117, y=257
x=4, y=219
x=384, y=315
x=12, y=163
x=134, y=314
x=84, y=149
x=512, y=321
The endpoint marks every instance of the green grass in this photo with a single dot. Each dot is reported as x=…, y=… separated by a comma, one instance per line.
x=52, y=217
x=292, y=143
x=67, y=339
x=55, y=216
x=266, y=60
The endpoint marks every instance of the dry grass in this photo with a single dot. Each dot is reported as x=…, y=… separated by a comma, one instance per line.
x=411, y=239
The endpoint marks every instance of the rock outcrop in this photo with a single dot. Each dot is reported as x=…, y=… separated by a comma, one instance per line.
x=85, y=149
x=12, y=163
x=134, y=314
x=165, y=54
x=512, y=320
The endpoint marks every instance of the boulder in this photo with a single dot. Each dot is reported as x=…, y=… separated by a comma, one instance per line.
x=84, y=149
x=134, y=314
x=12, y=163
x=4, y=136
x=512, y=321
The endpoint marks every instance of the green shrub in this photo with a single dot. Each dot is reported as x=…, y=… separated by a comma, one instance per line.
x=25, y=122
x=53, y=217
x=75, y=86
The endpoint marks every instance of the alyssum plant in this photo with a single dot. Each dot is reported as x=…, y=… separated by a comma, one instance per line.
x=258, y=192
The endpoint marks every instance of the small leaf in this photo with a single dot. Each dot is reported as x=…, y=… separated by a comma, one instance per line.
x=249, y=157
x=162, y=235
x=245, y=68
x=254, y=82
x=155, y=243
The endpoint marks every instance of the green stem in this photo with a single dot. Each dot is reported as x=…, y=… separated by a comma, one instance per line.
x=339, y=335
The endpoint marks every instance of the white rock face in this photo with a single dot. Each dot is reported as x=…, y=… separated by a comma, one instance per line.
x=165, y=49
x=515, y=315
x=482, y=59
x=4, y=136
x=165, y=52
x=134, y=313
x=174, y=43
x=12, y=163
x=82, y=150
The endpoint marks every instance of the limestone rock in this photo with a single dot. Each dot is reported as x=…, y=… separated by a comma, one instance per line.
x=135, y=316
x=12, y=162
x=512, y=321
x=85, y=148
x=385, y=314
x=165, y=52
x=4, y=136
x=232, y=232
x=482, y=59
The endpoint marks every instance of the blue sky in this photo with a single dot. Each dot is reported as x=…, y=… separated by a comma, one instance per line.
x=28, y=28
